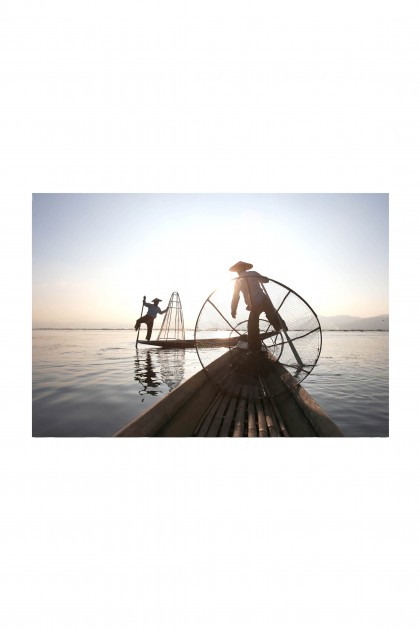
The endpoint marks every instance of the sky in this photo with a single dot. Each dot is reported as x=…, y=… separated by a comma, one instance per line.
x=96, y=255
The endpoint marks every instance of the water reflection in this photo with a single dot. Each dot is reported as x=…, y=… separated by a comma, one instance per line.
x=145, y=374
x=154, y=368
x=172, y=364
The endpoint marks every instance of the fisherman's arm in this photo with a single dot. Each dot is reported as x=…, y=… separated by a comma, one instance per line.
x=263, y=279
x=235, y=300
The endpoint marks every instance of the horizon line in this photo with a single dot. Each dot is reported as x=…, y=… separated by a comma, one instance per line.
x=214, y=330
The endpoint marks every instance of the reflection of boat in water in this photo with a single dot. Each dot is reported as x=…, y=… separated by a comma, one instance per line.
x=236, y=396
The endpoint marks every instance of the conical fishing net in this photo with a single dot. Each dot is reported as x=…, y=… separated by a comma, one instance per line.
x=289, y=333
x=173, y=322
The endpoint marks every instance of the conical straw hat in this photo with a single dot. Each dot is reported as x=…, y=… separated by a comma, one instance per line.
x=241, y=266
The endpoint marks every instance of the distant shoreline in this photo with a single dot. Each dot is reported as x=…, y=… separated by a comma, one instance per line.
x=192, y=329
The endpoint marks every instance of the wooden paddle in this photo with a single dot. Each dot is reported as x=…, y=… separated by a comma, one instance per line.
x=141, y=314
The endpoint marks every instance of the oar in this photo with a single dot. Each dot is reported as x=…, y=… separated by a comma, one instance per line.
x=141, y=314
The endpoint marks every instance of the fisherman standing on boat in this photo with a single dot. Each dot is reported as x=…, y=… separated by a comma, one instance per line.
x=256, y=300
x=149, y=318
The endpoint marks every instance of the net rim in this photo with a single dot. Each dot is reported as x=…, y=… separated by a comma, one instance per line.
x=290, y=291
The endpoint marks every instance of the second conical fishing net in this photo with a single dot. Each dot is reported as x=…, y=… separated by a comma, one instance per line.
x=173, y=322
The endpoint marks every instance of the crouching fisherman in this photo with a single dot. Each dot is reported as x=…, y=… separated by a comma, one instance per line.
x=149, y=319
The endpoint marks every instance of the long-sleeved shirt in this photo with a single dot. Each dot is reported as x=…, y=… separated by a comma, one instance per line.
x=249, y=283
x=153, y=310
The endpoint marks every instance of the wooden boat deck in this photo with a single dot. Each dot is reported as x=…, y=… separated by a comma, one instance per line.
x=239, y=396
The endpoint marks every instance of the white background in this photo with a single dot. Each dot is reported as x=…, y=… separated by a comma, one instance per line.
x=208, y=97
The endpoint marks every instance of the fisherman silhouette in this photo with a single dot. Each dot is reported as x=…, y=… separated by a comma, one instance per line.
x=249, y=283
x=149, y=319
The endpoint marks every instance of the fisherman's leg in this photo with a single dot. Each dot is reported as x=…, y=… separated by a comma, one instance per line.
x=141, y=320
x=254, y=342
x=274, y=317
x=149, y=329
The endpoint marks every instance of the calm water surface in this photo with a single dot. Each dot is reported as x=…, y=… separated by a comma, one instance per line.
x=92, y=382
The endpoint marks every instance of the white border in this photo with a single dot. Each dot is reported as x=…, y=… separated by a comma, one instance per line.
x=227, y=97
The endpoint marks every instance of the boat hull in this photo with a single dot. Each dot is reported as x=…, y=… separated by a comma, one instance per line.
x=203, y=405
x=226, y=342
x=191, y=343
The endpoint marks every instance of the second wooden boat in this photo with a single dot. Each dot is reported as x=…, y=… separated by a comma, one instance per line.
x=212, y=342
x=191, y=343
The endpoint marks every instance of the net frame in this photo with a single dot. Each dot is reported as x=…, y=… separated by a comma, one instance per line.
x=296, y=349
x=173, y=323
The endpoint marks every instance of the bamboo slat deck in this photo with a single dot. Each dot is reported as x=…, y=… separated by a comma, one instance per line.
x=239, y=396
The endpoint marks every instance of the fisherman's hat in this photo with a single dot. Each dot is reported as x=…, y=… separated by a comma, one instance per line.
x=156, y=300
x=241, y=266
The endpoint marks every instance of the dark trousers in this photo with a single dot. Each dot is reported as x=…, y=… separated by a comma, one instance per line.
x=149, y=321
x=266, y=307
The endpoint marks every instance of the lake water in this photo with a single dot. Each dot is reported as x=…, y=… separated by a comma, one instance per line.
x=92, y=382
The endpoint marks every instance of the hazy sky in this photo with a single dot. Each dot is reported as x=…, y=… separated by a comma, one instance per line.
x=96, y=255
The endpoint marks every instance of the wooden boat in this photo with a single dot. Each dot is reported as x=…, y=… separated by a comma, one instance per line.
x=238, y=395
x=226, y=342
x=191, y=343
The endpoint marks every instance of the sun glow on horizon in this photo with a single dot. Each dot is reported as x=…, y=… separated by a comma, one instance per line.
x=95, y=256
